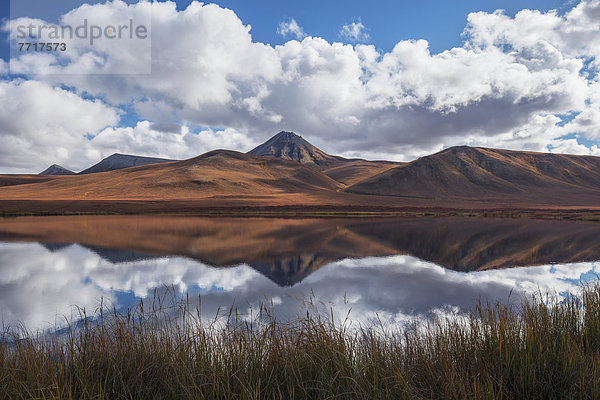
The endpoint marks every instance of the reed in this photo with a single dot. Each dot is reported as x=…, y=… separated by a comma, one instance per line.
x=542, y=348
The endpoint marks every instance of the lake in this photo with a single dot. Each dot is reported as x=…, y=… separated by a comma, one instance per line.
x=380, y=270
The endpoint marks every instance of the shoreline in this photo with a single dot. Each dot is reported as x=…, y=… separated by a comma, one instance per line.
x=20, y=208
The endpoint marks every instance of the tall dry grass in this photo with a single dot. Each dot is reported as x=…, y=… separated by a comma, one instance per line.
x=542, y=349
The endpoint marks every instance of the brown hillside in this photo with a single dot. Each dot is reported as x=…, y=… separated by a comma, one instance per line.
x=220, y=172
x=462, y=173
x=289, y=146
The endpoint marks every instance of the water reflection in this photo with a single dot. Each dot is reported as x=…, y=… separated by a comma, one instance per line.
x=352, y=264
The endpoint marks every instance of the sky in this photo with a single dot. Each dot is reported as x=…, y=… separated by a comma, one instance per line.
x=378, y=80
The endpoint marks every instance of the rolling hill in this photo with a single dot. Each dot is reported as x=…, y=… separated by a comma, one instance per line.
x=217, y=173
x=287, y=171
x=466, y=173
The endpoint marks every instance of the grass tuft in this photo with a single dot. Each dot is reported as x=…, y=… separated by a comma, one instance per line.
x=540, y=349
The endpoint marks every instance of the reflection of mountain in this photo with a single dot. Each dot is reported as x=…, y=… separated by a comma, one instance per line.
x=291, y=270
x=288, y=250
x=117, y=256
x=284, y=250
x=55, y=246
x=467, y=244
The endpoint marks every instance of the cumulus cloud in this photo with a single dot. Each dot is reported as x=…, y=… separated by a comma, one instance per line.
x=355, y=32
x=87, y=49
x=41, y=125
x=291, y=28
x=143, y=139
x=507, y=86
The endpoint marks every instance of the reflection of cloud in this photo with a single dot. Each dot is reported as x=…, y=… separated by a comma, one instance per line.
x=36, y=284
x=400, y=287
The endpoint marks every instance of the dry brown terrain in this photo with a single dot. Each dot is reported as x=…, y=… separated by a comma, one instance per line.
x=217, y=173
x=291, y=174
x=354, y=171
x=12, y=180
x=466, y=173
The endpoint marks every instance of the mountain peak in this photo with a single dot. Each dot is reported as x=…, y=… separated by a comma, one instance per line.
x=56, y=169
x=120, y=161
x=279, y=140
x=285, y=135
x=290, y=146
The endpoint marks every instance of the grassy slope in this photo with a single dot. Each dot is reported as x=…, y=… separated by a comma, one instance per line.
x=457, y=178
x=463, y=173
x=354, y=171
x=221, y=172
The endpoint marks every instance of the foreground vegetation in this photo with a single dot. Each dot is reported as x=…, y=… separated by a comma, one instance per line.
x=540, y=349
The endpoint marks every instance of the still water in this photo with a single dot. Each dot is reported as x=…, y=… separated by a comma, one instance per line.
x=381, y=270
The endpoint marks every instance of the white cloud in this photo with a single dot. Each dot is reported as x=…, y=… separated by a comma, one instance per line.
x=144, y=140
x=291, y=28
x=88, y=51
x=572, y=146
x=41, y=125
x=505, y=87
x=355, y=32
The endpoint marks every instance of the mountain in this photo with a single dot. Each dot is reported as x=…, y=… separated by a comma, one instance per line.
x=463, y=172
x=223, y=173
x=121, y=161
x=56, y=169
x=289, y=146
x=466, y=178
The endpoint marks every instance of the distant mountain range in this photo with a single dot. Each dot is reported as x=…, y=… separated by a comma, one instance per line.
x=284, y=145
x=110, y=163
x=121, y=161
x=56, y=169
x=289, y=171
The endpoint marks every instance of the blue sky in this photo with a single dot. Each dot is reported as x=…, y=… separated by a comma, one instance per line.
x=440, y=22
